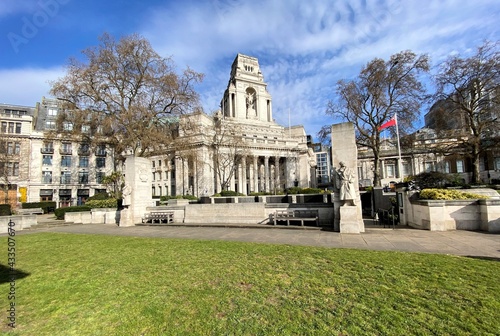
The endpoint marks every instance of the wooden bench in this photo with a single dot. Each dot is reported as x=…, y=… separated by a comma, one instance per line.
x=33, y=211
x=296, y=215
x=159, y=217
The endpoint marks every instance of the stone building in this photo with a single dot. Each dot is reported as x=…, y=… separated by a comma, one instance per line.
x=62, y=169
x=239, y=148
x=15, y=146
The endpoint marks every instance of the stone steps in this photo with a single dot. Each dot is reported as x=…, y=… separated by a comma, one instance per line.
x=45, y=225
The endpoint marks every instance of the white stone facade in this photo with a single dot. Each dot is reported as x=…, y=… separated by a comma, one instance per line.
x=270, y=157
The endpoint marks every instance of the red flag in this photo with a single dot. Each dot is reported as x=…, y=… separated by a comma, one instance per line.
x=391, y=122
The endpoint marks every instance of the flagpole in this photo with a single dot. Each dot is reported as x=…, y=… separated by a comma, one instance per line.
x=399, y=148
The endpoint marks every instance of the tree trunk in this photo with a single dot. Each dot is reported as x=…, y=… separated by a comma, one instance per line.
x=376, y=170
x=475, y=165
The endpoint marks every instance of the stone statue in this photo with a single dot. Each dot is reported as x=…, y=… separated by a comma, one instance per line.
x=345, y=184
x=250, y=101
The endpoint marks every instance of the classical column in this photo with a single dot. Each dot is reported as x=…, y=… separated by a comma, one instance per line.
x=266, y=173
x=243, y=176
x=277, y=172
x=256, y=173
x=185, y=176
x=238, y=175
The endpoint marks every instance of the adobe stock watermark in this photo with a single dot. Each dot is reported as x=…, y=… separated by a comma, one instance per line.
x=31, y=24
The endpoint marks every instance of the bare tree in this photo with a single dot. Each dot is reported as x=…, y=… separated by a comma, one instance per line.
x=468, y=89
x=126, y=95
x=228, y=149
x=382, y=89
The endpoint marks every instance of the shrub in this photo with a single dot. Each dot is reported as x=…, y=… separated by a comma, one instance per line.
x=104, y=203
x=46, y=206
x=5, y=210
x=99, y=196
x=61, y=211
x=448, y=194
x=227, y=193
x=298, y=190
x=436, y=180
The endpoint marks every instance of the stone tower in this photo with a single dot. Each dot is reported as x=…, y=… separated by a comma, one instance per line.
x=246, y=96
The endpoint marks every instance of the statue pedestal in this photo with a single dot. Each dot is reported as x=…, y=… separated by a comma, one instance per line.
x=126, y=218
x=351, y=220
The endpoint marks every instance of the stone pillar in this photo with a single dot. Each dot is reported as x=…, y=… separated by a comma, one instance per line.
x=239, y=174
x=277, y=172
x=243, y=176
x=179, y=178
x=256, y=173
x=137, y=191
x=185, y=176
x=348, y=216
x=266, y=173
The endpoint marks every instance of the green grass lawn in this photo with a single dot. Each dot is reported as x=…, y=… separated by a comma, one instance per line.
x=105, y=285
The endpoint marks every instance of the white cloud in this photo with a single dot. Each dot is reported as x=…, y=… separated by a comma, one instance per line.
x=26, y=86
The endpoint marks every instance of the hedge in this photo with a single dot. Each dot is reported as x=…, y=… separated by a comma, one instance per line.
x=61, y=211
x=104, y=203
x=5, y=210
x=448, y=194
x=46, y=206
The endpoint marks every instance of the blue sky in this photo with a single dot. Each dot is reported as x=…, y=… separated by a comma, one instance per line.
x=303, y=47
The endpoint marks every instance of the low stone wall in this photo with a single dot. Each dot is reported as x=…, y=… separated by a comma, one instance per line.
x=437, y=215
x=241, y=213
x=21, y=222
x=95, y=216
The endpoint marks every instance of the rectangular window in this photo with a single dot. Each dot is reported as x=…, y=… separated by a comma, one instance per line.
x=159, y=163
x=154, y=176
x=18, y=128
x=406, y=168
x=4, y=127
x=9, y=168
x=429, y=166
x=15, y=169
x=100, y=162
x=10, y=148
x=159, y=191
x=83, y=177
x=83, y=162
x=460, y=166
x=47, y=177
x=101, y=150
x=66, y=161
x=389, y=170
x=50, y=124
x=48, y=147
x=47, y=160
x=65, y=177
x=66, y=148
x=52, y=111
x=17, y=148
x=153, y=191
x=67, y=126
x=447, y=167
x=86, y=129
x=497, y=163
x=11, y=127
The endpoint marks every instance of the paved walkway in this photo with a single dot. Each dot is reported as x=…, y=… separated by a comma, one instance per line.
x=464, y=243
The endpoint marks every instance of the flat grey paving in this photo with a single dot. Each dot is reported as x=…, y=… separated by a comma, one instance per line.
x=463, y=243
